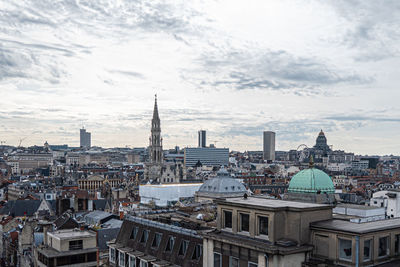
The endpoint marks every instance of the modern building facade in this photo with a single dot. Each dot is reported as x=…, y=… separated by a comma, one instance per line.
x=85, y=138
x=207, y=156
x=269, y=146
x=202, y=138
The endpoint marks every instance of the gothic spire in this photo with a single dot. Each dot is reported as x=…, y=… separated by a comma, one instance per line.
x=155, y=111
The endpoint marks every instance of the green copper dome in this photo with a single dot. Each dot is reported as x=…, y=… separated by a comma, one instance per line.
x=311, y=181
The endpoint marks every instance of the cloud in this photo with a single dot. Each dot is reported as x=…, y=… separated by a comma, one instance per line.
x=256, y=68
x=371, y=29
x=128, y=73
x=361, y=118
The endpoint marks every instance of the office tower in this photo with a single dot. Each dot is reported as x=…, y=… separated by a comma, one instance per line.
x=202, y=138
x=269, y=146
x=207, y=156
x=85, y=138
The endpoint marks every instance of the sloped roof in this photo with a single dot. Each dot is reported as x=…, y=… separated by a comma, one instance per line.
x=222, y=184
x=17, y=208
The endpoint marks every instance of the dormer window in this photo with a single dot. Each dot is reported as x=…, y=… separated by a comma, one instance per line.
x=145, y=236
x=134, y=232
x=170, y=244
x=156, y=240
x=183, y=248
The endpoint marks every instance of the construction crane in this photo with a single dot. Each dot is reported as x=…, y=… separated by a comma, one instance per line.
x=20, y=141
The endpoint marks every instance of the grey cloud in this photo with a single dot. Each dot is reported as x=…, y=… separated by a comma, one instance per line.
x=294, y=131
x=362, y=118
x=274, y=70
x=128, y=73
x=373, y=29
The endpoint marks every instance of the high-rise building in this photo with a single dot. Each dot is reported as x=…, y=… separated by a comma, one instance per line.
x=269, y=146
x=202, y=138
x=85, y=138
x=207, y=156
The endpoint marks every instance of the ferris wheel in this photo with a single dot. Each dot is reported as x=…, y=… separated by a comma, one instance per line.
x=304, y=152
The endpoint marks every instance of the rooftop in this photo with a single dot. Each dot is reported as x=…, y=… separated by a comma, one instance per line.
x=71, y=233
x=265, y=203
x=355, y=206
x=357, y=228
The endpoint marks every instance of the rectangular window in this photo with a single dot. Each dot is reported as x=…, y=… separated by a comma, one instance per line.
x=134, y=232
x=75, y=245
x=244, y=222
x=170, y=244
x=345, y=247
x=227, y=219
x=132, y=261
x=121, y=259
x=156, y=240
x=145, y=236
x=143, y=263
x=197, y=252
x=217, y=260
x=367, y=250
x=112, y=255
x=383, y=249
x=183, y=248
x=397, y=244
x=263, y=225
x=252, y=264
x=233, y=262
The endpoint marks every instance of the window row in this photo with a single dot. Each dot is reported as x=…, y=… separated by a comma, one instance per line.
x=197, y=252
x=244, y=222
x=346, y=246
x=233, y=261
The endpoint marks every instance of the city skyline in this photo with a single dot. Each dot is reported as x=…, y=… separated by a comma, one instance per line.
x=235, y=70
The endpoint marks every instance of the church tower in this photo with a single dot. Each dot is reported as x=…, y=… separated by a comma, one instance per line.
x=155, y=145
x=153, y=170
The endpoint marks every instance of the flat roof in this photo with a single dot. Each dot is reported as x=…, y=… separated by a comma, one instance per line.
x=267, y=203
x=70, y=234
x=355, y=206
x=357, y=228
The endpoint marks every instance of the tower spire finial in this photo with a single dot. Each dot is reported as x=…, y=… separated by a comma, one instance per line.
x=155, y=111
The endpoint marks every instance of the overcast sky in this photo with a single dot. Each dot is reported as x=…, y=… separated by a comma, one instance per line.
x=233, y=68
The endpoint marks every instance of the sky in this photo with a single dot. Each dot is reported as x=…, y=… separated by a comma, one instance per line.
x=233, y=68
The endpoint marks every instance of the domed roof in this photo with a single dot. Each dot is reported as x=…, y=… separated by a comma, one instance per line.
x=222, y=184
x=311, y=181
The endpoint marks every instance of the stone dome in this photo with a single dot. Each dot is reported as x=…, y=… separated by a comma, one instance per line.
x=311, y=180
x=222, y=184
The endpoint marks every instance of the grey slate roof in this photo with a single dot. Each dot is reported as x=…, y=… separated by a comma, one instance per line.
x=98, y=217
x=357, y=228
x=105, y=235
x=20, y=207
x=222, y=184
